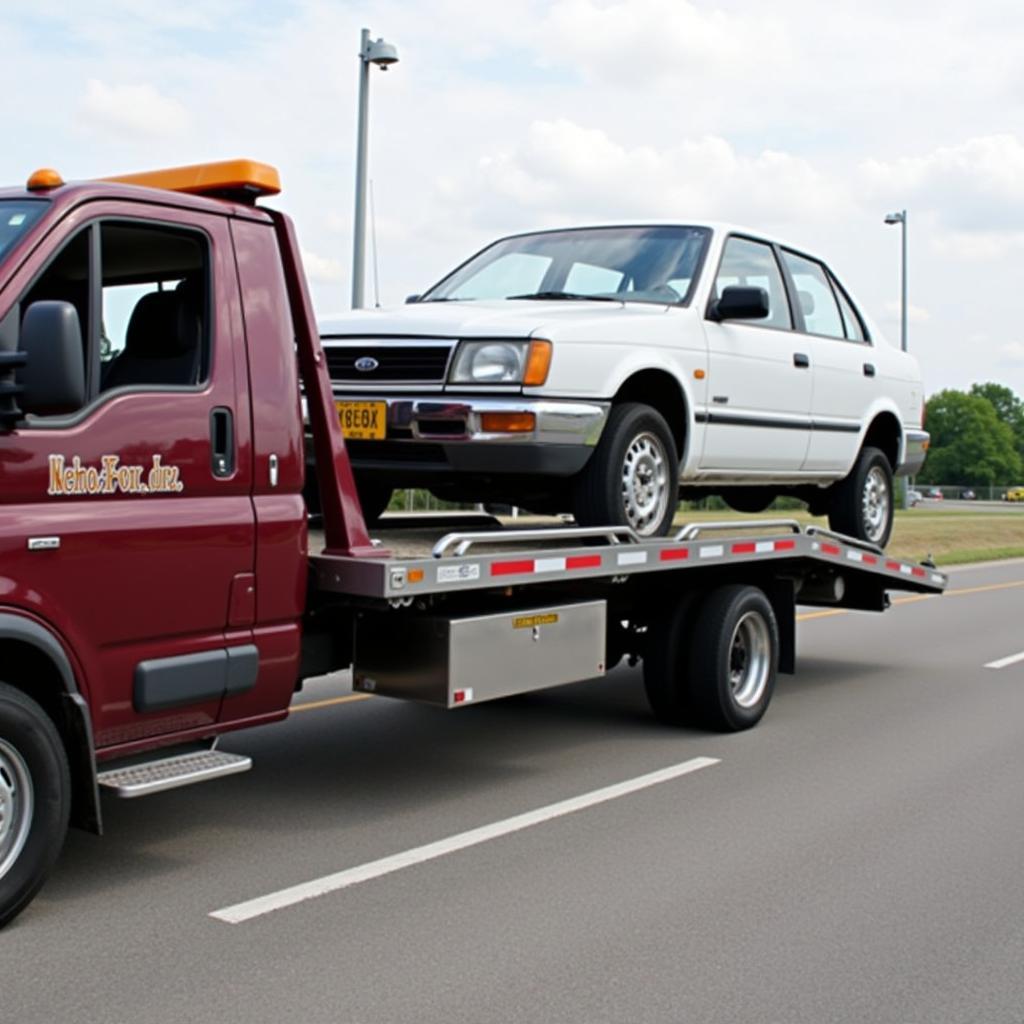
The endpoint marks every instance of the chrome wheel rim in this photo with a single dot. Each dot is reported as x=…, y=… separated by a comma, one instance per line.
x=875, y=502
x=749, y=659
x=645, y=484
x=16, y=803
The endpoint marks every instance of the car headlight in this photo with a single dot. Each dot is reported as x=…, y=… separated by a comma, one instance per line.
x=501, y=362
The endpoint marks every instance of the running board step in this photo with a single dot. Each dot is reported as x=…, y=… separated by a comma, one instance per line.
x=172, y=772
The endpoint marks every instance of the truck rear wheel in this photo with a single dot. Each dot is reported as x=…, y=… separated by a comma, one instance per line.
x=35, y=801
x=734, y=658
x=632, y=479
x=666, y=663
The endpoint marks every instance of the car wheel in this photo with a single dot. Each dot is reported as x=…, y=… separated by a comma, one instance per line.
x=35, y=799
x=862, y=504
x=374, y=499
x=749, y=500
x=632, y=479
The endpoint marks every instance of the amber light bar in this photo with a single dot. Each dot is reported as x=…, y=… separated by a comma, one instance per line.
x=233, y=178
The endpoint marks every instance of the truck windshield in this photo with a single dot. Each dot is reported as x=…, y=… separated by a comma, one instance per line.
x=16, y=217
x=630, y=264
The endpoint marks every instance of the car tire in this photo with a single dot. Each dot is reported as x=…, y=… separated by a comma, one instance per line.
x=863, y=503
x=35, y=799
x=374, y=499
x=632, y=478
x=666, y=663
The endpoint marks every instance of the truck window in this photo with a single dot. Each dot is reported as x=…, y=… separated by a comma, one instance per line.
x=155, y=291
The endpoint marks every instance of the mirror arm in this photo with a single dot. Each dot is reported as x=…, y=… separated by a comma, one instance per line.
x=10, y=414
x=713, y=313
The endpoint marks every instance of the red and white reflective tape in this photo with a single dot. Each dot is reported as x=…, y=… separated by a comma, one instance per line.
x=527, y=566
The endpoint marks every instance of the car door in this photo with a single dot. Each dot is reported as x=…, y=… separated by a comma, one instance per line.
x=139, y=502
x=759, y=382
x=844, y=372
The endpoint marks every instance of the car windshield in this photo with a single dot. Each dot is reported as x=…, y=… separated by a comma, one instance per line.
x=630, y=264
x=16, y=217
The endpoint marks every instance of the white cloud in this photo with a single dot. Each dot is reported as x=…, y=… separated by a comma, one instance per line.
x=915, y=314
x=1012, y=353
x=324, y=268
x=138, y=110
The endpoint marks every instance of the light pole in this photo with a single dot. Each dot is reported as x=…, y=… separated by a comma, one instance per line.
x=383, y=55
x=901, y=219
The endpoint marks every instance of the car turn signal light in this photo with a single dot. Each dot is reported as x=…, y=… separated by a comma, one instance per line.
x=508, y=422
x=538, y=362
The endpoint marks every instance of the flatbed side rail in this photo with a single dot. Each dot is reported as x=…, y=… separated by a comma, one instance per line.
x=853, y=542
x=691, y=531
x=464, y=541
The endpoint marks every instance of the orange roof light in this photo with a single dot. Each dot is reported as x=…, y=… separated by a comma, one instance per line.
x=44, y=178
x=244, y=180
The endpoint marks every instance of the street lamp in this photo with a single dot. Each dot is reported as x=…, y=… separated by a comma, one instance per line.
x=383, y=55
x=901, y=219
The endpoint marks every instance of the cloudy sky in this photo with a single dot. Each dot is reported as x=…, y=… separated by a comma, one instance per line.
x=802, y=119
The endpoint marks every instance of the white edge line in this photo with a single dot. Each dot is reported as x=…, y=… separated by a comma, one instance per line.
x=240, y=912
x=1011, y=659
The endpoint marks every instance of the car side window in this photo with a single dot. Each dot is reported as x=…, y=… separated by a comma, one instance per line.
x=752, y=264
x=814, y=293
x=851, y=319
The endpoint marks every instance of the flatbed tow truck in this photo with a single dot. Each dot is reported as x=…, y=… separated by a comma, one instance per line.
x=162, y=583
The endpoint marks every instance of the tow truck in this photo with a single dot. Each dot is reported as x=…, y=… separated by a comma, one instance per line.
x=162, y=582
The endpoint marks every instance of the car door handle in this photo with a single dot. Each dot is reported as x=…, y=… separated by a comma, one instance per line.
x=222, y=442
x=869, y=369
x=801, y=360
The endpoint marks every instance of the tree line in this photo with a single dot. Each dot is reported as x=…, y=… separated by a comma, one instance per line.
x=977, y=437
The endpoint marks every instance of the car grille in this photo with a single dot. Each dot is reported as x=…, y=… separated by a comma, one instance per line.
x=396, y=363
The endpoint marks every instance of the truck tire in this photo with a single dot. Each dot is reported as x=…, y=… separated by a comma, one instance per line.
x=374, y=499
x=734, y=658
x=862, y=504
x=35, y=799
x=666, y=663
x=632, y=479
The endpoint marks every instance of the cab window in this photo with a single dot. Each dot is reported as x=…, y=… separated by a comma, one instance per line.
x=753, y=265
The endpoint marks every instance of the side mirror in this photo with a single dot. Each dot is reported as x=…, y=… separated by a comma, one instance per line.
x=53, y=378
x=740, y=303
x=409, y=299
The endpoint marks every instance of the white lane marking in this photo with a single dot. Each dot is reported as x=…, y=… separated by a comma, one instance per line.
x=250, y=909
x=1011, y=659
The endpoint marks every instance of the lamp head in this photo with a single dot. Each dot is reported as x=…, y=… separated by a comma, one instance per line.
x=894, y=218
x=380, y=53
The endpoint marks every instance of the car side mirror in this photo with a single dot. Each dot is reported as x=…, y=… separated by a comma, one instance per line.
x=738, y=302
x=409, y=299
x=53, y=377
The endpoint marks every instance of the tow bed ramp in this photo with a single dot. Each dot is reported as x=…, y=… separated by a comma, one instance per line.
x=479, y=560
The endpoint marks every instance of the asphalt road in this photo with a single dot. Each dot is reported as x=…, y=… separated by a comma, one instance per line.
x=857, y=857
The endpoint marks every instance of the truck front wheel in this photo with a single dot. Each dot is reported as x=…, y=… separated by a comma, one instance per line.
x=862, y=505
x=632, y=478
x=35, y=789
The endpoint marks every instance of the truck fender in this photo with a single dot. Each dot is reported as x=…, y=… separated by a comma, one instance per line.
x=76, y=725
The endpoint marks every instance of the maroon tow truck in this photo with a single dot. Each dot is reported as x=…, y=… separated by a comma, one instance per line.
x=162, y=583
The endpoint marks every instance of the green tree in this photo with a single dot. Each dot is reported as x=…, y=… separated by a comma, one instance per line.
x=1009, y=408
x=970, y=445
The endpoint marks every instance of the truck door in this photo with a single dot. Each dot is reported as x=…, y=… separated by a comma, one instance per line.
x=135, y=528
x=758, y=384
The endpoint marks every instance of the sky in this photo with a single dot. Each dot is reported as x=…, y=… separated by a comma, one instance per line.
x=803, y=120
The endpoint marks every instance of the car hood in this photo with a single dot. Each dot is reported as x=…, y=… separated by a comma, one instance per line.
x=503, y=318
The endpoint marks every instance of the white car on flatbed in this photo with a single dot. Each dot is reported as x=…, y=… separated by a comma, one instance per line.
x=608, y=370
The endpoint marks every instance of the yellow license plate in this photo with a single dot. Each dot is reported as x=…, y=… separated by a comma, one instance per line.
x=364, y=421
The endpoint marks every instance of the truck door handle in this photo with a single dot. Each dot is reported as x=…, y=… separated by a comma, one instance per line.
x=869, y=369
x=801, y=360
x=222, y=442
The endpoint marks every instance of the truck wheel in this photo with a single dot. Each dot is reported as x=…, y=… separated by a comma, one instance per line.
x=666, y=667
x=35, y=800
x=734, y=658
x=632, y=479
x=862, y=505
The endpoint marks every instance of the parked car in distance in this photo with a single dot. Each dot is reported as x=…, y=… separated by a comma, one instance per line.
x=1014, y=494
x=607, y=371
x=913, y=497
x=934, y=494
x=968, y=495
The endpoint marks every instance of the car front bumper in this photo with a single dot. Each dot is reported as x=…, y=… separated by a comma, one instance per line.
x=442, y=433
